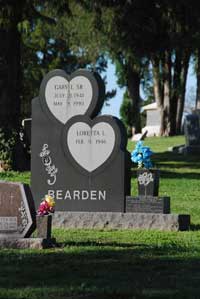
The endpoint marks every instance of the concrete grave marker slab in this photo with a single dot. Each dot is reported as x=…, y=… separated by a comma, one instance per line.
x=17, y=214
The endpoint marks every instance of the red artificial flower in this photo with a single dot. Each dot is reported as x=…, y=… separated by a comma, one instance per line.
x=47, y=206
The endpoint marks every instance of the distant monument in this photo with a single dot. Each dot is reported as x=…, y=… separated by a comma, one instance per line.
x=192, y=133
x=152, y=120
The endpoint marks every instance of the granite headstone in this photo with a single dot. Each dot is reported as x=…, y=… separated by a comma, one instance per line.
x=192, y=130
x=79, y=158
x=17, y=213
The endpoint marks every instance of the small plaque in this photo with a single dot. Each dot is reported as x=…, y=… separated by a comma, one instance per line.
x=17, y=213
x=8, y=223
x=148, y=204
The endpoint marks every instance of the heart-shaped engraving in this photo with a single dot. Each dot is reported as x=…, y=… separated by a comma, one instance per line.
x=66, y=96
x=91, y=143
x=90, y=146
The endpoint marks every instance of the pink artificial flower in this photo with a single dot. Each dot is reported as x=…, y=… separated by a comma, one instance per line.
x=46, y=207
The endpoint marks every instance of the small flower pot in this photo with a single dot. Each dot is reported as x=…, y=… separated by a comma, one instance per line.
x=44, y=224
x=148, y=182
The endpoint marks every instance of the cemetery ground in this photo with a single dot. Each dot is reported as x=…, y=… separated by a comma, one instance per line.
x=122, y=263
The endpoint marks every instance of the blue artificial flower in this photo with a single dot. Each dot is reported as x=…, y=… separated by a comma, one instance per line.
x=141, y=155
x=146, y=152
x=148, y=164
x=136, y=156
x=139, y=145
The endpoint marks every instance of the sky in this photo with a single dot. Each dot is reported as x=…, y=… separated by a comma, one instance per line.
x=115, y=102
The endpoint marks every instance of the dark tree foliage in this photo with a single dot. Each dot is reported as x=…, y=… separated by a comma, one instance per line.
x=13, y=16
x=35, y=43
x=140, y=36
x=164, y=32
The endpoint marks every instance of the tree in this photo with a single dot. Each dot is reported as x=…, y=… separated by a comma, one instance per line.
x=113, y=31
x=164, y=32
x=126, y=114
x=34, y=44
x=197, y=103
x=170, y=67
x=14, y=15
x=84, y=33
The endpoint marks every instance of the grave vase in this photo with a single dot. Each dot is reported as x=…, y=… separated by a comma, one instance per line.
x=148, y=182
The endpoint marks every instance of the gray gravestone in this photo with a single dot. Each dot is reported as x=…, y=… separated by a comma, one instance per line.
x=192, y=130
x=192, y=134
x=79, y=159
x=17, y=213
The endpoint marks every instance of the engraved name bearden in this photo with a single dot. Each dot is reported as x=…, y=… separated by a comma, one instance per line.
x=78, y=194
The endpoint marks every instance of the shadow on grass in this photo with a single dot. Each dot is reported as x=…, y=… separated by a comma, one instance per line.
x=183, y=175
x=101, y=244
x=106, y=272
x=173, y=161
x=173, y=175
x=194, y=227
x=178, y=160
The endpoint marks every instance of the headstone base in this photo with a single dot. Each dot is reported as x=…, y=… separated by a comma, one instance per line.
x=111, y=220
x=27, y=243
x=148, y=204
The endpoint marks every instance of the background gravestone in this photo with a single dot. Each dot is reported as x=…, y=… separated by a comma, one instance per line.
x=78, y=159
x=17, y=213
x=192, y=129
x=192, y=133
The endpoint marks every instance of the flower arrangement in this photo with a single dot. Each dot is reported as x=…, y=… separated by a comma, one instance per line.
x=141, y=155
x=47, y=206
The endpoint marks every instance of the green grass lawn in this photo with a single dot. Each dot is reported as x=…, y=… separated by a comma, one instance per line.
x=117, y=264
